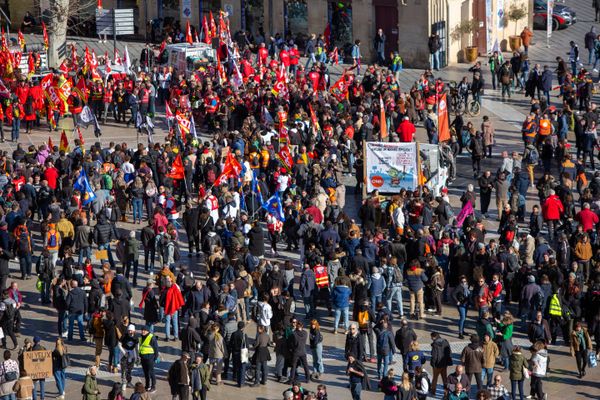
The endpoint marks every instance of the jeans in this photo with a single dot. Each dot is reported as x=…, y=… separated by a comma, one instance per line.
x=137, y=209
x=111, y=261
x=513, y=389
x=574, y=71
x=14, y=135
x=435, y=60
x=148, y=367
x=11, y=396
x=62, y=322
x=79, y=319
x=309, y=305
x=262, y=372
x=317, y=354
x=376, y=299
x=338, y=314
x=149, y=254
x=84, y=252
x=537, y=389
x=311, y=59
x=395, y=292
x=382, y=360
x=60, y=378
x=547, y=96
x=45, y=293
x=489, y=372
x=462, y=317
x=355, y=389
x=175, y=319
x=42, y=384
x=25, y=264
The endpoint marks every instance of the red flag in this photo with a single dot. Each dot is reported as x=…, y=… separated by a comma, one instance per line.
x=168, y=112
x=285, y=156
x=382, y=123
x=99, y=4
x=51, y=120
x=81, y=140
x=73, y=57
x=280, y=87
x=50, y=143
x=21, y=40
x=184, y=124
x=177, y=171
x=340, y=89
x=63, y=67
x=188, y=33
x=64, y=142
x=4, y=42
x=327, y=35
x=117, y=59
x=207, y=37
x=313, y=119
x=221, y=71
x=163, y=46
x=81, y=89
x=45, y=32
x=31, y=63
x=444, y=127
x=213, y=26
x=231, y=169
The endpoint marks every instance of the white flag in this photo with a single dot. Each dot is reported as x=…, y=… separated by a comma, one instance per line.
x=126, y=60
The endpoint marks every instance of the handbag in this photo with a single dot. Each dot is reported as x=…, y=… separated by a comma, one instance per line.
x=592, y=361
x=526, y=374
x=244, y=352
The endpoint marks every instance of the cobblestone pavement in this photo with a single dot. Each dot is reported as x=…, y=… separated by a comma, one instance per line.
x=507, y=116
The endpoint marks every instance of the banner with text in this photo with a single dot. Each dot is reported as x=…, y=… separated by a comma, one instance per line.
x=391, y=166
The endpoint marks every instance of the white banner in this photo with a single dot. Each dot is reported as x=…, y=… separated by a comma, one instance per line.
x=500, y=14
x=391, y=166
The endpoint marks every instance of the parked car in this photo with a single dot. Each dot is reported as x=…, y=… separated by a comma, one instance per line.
x=562, y=16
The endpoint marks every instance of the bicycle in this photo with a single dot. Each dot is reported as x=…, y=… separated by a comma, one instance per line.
x=457, y=102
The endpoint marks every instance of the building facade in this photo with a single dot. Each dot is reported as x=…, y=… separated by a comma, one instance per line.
x=407, y=23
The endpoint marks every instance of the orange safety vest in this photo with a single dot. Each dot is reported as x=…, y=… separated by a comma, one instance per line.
x=545, y=127
x=321, y=276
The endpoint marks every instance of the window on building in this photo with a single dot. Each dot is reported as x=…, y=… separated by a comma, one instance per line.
x=296, y=20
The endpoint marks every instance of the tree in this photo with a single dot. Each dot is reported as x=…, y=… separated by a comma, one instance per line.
x=516, y=13
x=58, y=17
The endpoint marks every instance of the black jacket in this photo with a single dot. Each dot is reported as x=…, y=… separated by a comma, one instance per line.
x=190, y=220
x=76, y=301
x=299, y=341
x=190, y=338
x=441, y=354
x=237, y=341
x=104, y=232
x=256, y=245
x=404, y=336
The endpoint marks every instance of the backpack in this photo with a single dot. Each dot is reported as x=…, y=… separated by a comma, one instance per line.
x=176, y=252
x=533, y=157
x=107, y=182
x=419, y=382
x=52, y=239
x=363, y=319
x=395, y=277
x=23, y=244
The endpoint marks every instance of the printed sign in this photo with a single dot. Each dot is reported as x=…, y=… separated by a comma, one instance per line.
x=391, y=166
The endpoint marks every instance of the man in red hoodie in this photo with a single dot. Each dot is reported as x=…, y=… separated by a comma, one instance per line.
x=552, y=211
x=406, y=130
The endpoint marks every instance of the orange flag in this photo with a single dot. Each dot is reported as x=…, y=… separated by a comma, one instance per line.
x=81, y=140
x=177, y=171
x=443, y=123
x=383, y=122
x=21, y=40
x=64, y=142
x=50, y=143
x=207, y=36
x=188, y=33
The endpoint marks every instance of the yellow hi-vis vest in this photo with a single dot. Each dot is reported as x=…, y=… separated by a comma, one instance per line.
x=555, y=309
x=145, y=346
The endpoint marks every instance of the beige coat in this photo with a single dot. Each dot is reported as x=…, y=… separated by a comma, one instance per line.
x=488, y=132
x=490, y=353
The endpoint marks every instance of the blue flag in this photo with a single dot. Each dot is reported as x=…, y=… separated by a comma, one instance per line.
x=256, y=187
x=273, y=206
x=83, y=185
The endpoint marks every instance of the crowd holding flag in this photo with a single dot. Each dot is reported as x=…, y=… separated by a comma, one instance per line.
x=177, y=171
x=231, y=169
x=274, y=207
x=83, y=185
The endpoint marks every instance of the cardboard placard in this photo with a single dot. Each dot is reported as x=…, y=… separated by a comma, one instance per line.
x=101, y=254
x=38, y=363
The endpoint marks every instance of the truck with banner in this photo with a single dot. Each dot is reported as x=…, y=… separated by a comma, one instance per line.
x=390, y=167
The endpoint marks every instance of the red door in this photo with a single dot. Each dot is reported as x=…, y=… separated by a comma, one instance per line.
x=480, y=37
x=386, y=18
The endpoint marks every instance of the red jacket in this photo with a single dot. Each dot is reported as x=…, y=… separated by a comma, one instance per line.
x=552, y=208
x=406, y=131
x=587, y=218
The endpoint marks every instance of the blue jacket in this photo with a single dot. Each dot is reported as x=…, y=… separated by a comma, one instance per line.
x=547, y=80
x=308, y=283
x=415, y=279
x=340, y=296
x=414, y=359
x=385, y=343
x=377, y=285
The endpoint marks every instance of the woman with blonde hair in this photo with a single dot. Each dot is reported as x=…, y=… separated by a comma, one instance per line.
x=406, y=390
x=414, y=358
x=60, y=362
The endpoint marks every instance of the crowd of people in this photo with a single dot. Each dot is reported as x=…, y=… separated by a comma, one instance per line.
x=279, y=139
